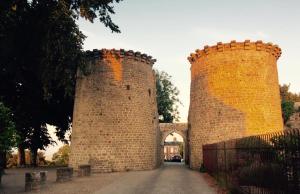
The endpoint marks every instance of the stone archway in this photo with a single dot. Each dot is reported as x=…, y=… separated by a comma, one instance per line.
x=181, y=129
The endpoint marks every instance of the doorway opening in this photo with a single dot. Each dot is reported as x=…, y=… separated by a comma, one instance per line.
x=174, y=148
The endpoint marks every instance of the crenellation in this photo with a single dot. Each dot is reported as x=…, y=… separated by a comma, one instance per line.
x=247, y=45
x=233, y=45
x=259, y=45
x=121, y=53
x=234, y=93
x=220, y=46
x=109, y=129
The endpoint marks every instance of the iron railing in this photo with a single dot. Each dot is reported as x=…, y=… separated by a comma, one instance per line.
x=263, y=164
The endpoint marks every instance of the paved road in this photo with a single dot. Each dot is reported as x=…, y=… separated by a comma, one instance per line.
x=171, y=178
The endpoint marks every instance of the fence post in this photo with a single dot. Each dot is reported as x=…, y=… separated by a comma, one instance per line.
x=217, y=161
x=225, y=163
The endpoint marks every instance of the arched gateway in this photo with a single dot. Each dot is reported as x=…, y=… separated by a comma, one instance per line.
x=180, y=128
x=234, y=93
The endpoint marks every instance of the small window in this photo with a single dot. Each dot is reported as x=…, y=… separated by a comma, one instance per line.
x=149, y=92
x=128, y=87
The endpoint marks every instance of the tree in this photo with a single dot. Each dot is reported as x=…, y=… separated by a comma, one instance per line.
x=287, y=108
x=40, y=52
x=167, y=98
x=61, y=157
x=287, y=102
x=13, y=159
x=8, y=137
x=286, y=95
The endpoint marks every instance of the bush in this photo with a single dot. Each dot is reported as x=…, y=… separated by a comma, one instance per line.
x=287, y=108
x=61, y=157
x=202, y=168
x=262, y=175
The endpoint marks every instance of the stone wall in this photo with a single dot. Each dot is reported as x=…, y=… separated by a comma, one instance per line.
x=234, y=93
x=181, y=129
x=167, y=128
x=115, y=121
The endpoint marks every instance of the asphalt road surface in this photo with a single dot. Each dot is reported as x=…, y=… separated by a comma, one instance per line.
x=173, y=178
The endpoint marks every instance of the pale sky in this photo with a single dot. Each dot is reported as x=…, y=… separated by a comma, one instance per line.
x=170, y=30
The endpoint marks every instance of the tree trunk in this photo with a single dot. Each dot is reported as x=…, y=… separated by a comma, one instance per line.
x=34, y=157
x=3, y=160
x=21, y=158
x=1, y=173
x=2, y=163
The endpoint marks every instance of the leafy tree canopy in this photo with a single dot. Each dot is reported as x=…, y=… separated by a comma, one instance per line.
x=8, y=136
x=287, y=108
x=40, y=52
x=167, y=98
x=287, y=102
x=61, y=157
x=88, y=9
x=286, y=95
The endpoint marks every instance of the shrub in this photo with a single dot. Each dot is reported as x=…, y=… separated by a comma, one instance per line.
x=202, y=168
x=268, y=175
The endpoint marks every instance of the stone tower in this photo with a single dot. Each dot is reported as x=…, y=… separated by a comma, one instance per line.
x=115, y=123
x=234, y=93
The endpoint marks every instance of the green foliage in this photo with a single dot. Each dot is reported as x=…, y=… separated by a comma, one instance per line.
x=167, y=98
x=87, y=9
x=287, y=108
x=61, y=157
x=286, y=95
x=287, y=145
x=8, y=136
x=202, y=168
x=40, y=52
x=254, y=147
x=287, y=102
x=266, y=175
x=267, y=161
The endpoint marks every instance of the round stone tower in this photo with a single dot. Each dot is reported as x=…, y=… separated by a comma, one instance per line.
x=234, y=93
x=115, y=123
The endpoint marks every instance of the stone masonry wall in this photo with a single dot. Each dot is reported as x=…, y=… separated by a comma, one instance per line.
x=115, y=124
x=181, y=129
x=234, y=93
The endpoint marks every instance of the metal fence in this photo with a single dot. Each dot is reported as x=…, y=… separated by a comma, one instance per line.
x=263, y=164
